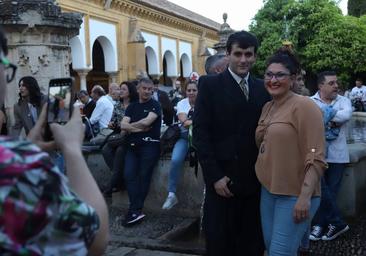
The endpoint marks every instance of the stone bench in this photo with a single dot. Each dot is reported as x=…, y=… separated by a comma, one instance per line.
x=189, y=190
x=351, y=197
x=352, y=194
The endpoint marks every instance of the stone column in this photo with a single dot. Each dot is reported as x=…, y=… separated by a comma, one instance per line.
x=113, y=76
x=82, y=74
x=174, y=78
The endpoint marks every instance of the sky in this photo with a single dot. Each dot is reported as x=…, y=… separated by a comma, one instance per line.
x=239, y=14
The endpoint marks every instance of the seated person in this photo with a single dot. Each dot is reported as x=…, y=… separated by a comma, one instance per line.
x=114, y=155
x=102, y=113
x=185, y=109
x=89, y=103
x=166, y=106
x=142, y=122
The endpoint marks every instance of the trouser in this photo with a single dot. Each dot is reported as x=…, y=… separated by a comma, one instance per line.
x=328, y=212
x=178, y=156
x=232, y=225
x=282, y=236
x=140, y=162
x=115, y=159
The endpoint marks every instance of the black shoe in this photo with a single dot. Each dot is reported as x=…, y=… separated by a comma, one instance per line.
x=334, y=232
x=132, y=218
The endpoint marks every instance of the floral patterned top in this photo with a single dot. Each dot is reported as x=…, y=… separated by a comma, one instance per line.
x=39, y=214
x=118, y=114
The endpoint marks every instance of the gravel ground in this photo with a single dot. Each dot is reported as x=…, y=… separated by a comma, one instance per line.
x=350, y=243
x=153, y=226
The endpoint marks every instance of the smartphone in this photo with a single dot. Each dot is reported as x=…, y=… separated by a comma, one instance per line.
x=60, y=103
x=60, y=97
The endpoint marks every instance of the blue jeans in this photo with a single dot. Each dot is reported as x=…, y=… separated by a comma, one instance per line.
x=282, y=236
x=328, y=212
x=178, y=156
x=140, y=162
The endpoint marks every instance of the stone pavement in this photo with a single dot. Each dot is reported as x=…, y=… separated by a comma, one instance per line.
x=128, y=251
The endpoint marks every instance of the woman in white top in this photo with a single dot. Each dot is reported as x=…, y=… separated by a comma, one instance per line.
x=185, y=109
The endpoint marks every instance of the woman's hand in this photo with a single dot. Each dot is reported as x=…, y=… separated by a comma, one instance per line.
x=301, y=209
x=69, y=136
x=187, y=123
x=36, y=133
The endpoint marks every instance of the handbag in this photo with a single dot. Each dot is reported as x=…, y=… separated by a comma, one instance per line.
x=169, y=138
x=116, y=139
x=101, y=136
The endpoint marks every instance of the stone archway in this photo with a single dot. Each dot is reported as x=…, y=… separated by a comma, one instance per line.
x=98, y=74
x=169, y=68
x=185, y=66
x=152, y=64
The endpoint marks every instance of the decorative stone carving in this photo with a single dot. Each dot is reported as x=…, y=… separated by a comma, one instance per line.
x=224, y=33
x=135, y=35
x=38, y=37
x=44, y=60
x=23, y=61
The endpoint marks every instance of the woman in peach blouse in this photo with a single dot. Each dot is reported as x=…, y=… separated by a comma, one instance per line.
x=290, y=137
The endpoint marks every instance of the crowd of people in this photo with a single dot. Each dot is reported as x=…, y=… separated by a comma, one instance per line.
x=272, y=158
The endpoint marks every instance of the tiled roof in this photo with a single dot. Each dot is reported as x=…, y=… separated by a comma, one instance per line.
x=176, y=10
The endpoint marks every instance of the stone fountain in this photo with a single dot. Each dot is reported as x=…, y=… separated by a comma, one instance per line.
x=38, y=37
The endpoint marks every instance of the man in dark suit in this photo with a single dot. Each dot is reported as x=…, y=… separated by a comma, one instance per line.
x=227, y=110
x=89, y=103
x=166, y=106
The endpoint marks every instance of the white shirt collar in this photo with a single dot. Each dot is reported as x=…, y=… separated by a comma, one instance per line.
x=238, y=78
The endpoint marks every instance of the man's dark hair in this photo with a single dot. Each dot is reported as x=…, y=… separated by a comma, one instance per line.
x=359, y=79
x=211, y=61
x=35, y=95
x=321, y=76
x=244, y=40
x=83, y=93
x=287, y=58
x=3, y=42
x=155, y=81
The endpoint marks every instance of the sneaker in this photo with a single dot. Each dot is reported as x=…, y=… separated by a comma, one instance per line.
x=316, y=233
x=132, y=218
x=334, y=232
x=170, y=201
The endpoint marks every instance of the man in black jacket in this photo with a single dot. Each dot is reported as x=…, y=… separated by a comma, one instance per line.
x=227, y=110
x=166, y=106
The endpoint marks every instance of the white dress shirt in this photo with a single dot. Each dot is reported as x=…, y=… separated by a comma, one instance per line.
x=102, y=113
x=238, y=79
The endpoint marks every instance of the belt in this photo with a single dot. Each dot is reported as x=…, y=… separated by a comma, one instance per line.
x=149, y=139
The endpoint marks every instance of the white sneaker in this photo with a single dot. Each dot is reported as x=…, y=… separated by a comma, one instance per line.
x=170, y=201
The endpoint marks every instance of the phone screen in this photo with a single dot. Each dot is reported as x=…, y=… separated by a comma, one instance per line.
x=59, y=100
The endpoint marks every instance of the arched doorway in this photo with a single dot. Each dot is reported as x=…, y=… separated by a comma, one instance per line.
x=169, y=68
x=152, y=64
x=97, y=75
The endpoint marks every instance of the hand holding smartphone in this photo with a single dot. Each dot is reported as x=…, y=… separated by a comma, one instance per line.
x=60, y=102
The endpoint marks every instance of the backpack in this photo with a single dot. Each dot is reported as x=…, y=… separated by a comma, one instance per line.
x=169, y=138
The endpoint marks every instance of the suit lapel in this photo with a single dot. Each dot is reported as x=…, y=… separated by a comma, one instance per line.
x=232, y=88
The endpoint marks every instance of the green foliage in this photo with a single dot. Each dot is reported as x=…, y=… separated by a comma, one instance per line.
x=322, y=37
x=356, y=7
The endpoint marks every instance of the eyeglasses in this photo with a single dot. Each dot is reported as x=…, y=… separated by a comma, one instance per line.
x=10, y=68
x=278, y=76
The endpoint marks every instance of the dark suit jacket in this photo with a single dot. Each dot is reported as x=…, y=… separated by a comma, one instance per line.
x=224, y=130
x=88, y=108
x=166, y=106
